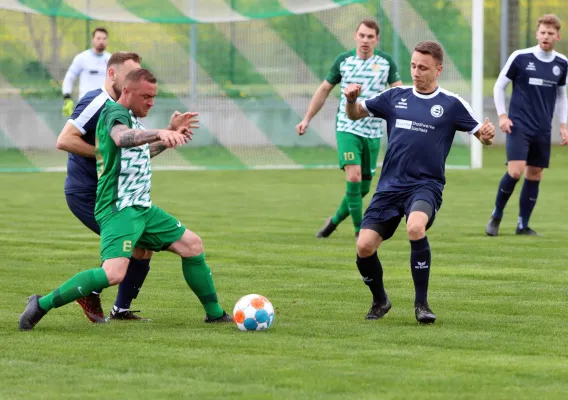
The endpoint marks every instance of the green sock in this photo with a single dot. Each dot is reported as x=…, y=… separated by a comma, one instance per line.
x=342, y=212
x=355, y=203
x=365, y=187
x=78, y=286
x=198, y=276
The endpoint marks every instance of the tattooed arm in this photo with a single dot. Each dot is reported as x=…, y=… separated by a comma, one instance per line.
x=123, y=136
x=156, y=148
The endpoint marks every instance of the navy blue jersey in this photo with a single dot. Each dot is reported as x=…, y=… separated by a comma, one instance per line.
x=82, y=171
x=535, y=76
x=421, y=130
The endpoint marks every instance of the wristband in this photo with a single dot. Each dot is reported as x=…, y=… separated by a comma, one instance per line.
x=352, y=102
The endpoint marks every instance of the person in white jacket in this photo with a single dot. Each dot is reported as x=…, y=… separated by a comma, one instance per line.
x=90, y=66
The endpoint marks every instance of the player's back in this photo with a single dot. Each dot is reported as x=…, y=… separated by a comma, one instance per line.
x=82, y=171
x=536, y=76
x=124, y=174
x=421, y=130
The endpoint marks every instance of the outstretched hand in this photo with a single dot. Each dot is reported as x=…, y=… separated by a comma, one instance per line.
x=486, y=132
x=187, y=119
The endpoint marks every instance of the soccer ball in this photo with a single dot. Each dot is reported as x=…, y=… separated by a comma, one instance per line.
x=253, y=312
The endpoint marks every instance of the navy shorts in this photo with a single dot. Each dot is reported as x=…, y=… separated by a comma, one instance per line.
x=534, y=149
x=82, y=205
x=387, y=209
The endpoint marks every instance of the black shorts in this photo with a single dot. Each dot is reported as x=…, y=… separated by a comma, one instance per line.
x=387, y=209
x=82, y=205
x=534, y=149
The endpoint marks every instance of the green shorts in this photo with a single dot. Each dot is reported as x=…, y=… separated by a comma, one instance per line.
x=358, y=150
x=147, y=228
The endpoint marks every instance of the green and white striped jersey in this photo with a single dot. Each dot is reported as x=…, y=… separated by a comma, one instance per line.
x=124, y=174
x=373, y=74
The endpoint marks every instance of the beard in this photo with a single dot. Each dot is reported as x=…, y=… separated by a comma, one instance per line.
x=117, y=90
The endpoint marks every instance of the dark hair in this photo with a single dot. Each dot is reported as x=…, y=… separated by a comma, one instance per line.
x=369, y=23
x=140, y=74
x=120, y=57
x=549, y=19
x=432, y=48
x=103, y=30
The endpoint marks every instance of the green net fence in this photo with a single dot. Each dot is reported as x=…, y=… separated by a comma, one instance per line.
x=249, y=67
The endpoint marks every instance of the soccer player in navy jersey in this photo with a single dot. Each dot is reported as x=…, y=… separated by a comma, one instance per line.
x=421, y=124
x=78, y=139
x=539, y=86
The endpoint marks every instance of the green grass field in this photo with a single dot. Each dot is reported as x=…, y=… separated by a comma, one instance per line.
x=501, y=302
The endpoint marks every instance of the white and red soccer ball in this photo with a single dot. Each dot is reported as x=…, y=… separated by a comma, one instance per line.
x=253, y=312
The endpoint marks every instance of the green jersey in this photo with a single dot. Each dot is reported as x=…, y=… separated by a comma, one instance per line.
x=373, y=74
x=123, y=173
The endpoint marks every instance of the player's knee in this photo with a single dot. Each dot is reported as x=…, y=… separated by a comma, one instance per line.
x=515, y=172
x=365, y=247
x=533, y=174
x=141, y=254
x=115, y=269
x=416, y=229
x=353, y=173
x=189, y=245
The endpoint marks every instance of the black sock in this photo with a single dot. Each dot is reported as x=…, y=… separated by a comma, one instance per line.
x=420, y=267
x=132, y=282
x=505, y=190
x=371, y=270
x=529, y=194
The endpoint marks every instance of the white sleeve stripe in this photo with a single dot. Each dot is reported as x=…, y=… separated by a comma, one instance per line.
x=499, y=94
x=561, y=104
x=512, y=58
x=76, y=125
x=477, y=127
x=89, y=111
x=364, y=105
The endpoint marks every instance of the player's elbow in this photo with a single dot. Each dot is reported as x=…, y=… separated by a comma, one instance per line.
x=62, y=143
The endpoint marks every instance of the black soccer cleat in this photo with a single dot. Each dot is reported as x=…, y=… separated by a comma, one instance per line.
x=222, y=319
x=327, y=229
x=32, y=314
x=492, y=227
x=526, y=231
x=423, y=314
x=378, y=310
x=126, y=315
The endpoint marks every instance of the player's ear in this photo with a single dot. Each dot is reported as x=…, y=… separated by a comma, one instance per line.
x=440, y=68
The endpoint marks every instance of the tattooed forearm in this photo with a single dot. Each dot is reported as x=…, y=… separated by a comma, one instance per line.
x=126, y=137
x=156, y=148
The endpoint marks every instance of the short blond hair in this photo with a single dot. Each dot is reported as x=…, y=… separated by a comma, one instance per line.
x=549, y=19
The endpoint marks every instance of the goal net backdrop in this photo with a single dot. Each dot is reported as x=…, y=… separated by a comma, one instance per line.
x=249, y=67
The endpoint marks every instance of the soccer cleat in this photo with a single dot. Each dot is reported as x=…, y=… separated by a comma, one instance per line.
x=223, y=318
x=92, y=308
x=423, y=314
x=327, y=229
x=378, y=310
x=526, y=231
x=125, y=315
x=492, y=228
x=32, y=314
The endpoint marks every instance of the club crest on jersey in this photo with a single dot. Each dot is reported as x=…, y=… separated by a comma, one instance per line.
x=376, y=67
x=437, y=111
x=556, y=70
x=531, y=67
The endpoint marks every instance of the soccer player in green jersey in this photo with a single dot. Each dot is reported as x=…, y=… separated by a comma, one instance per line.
x=128, y=220
x=358, y=142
